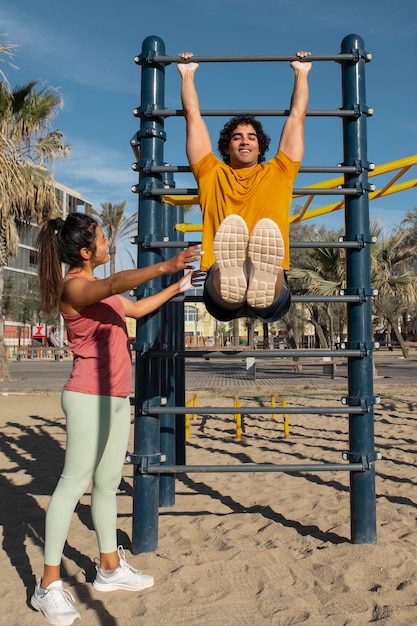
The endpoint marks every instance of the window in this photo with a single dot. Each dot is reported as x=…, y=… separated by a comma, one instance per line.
x=190, y=314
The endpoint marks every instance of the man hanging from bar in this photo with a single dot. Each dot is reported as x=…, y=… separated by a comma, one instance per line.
x=245, y=203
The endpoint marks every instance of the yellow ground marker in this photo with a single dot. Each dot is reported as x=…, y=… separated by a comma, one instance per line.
x=189, y=402
x=238, y=418
x=285, y=415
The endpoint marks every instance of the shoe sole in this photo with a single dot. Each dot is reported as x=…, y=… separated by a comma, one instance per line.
x=266, y=252
x=231, y=250
x=119, y=587
x=58, y=622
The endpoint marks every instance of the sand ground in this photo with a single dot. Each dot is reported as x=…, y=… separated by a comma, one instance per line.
x=237, y=548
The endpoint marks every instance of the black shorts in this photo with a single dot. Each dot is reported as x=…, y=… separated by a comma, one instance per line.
x=225, y=312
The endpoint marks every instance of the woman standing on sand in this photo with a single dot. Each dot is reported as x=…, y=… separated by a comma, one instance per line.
x=95, y=399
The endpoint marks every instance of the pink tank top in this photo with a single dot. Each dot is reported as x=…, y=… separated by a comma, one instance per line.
x=102, y=357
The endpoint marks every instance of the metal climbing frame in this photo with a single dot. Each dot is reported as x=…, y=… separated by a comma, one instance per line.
x=159, y=442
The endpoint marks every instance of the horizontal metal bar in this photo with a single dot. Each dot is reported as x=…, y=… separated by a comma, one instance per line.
x=301, y=191
x=247, y=467
x=326, y=244
x=167, y=244
x=348, y=299
x=250, y=410
x=155, y=169
x=255, y=112
x=294, y=244
x=328, y=169
x=251, y=58
x=289, y=353
x=351, y=299
x=304, y=169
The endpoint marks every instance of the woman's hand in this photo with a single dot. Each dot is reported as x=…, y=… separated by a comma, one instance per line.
x=192, y=280
x=183, y=260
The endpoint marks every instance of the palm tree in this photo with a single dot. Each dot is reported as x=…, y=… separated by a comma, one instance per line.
x=27, y=192
x=394, y=275
x=116, y=227
x=321, y=272
x=409, y=223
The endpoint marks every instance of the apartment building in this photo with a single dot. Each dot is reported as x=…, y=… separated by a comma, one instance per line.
x=24, y=265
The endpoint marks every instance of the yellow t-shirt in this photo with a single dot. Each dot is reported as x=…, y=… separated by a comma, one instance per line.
x=253, y=193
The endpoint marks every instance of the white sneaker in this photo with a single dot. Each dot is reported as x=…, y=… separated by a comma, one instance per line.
x=55, y=603
x=266, y=253
x=231, y=252
x=124, y=577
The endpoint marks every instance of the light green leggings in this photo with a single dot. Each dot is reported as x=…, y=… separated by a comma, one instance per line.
x=97, y=438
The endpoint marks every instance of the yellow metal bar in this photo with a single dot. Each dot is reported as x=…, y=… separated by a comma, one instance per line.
x=317, y=212
x=187, y=427
x=181, y=200
x=286, y=424
x=189, y=228
x=408, y=184
x=329, y=208
x=403, y=165
x=192, y=400
x=384, y=168
x=303, y=211
x=274, y=417
x=392, y=181
x=285, y=415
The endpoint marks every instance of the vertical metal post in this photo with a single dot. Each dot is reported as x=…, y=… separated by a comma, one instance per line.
x=172, y=369
x=360, y=370
x=168, y=383
x=179, y=364
x=151, y=139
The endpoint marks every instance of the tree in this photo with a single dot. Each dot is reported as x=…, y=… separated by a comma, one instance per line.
x=27, y=144
x=319, y=272
x=409, y=224
x=116, y=226
x=394, y=274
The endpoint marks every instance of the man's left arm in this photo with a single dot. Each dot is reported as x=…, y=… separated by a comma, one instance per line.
x=292, y=136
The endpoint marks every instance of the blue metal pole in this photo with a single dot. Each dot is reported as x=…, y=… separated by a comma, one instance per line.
x=179, y=364
x=168, y=383
x=151, y=139
x=360, y=369
x=172, y=426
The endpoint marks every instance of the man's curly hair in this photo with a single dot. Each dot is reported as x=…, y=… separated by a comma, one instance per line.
x=229, y=128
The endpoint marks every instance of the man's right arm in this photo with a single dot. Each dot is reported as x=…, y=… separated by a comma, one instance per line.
x=198, y=142
x=292, y=136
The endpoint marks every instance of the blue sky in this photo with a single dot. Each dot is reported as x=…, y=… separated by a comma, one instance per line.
x=86, y=49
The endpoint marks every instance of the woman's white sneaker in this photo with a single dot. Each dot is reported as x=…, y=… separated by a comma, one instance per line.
x=124, y=577
x=55, y=603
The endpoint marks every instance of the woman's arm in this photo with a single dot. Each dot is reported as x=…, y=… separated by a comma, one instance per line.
x=80, y=292
x=147, y=305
